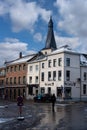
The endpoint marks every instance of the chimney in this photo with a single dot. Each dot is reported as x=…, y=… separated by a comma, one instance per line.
x=20, y=55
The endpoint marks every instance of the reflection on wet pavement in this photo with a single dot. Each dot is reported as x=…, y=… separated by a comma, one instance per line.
x=65, y=117
x=51, y=118
x=2, y=120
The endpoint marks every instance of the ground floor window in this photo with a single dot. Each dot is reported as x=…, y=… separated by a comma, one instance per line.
x=67, y=91
x=14, y=93
x=42, y=90
x=59, y=92
x=49, y=90
x=30, y=90
x=84, y=88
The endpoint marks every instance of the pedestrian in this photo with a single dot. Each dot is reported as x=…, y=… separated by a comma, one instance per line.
x=20, y=103
x=53, y=100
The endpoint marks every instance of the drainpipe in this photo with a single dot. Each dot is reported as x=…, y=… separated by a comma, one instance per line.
x=80, y=83
x=39, y=76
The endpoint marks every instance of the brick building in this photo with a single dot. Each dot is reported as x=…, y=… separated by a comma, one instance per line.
x=15, y=77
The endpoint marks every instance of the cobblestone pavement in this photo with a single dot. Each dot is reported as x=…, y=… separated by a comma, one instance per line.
x=39, y=116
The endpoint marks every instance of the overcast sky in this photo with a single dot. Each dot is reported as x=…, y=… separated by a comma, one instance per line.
x=24, y=25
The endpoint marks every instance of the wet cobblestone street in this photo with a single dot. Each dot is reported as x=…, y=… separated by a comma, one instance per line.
x=39, y=116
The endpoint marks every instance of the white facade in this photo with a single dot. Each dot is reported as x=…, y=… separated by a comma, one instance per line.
x=58, y=72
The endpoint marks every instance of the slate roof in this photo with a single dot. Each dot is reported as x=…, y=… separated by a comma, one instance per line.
x=50, y=40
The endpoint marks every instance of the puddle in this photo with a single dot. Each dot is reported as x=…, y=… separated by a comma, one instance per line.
x=63, y=105
x=4, y=106
x=3, y=120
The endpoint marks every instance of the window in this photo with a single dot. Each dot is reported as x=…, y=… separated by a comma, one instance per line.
x=54, y=62
x=59, y=75
x=49, y=63
x=49, y=90
x=42, y=65
x=14, y=80
x=49, y=76
x=60, y=62
x=67, y=75
x=24, y=79
x=6, y=80
x=19, y=67
x=11, y=69
x=15, y=68
x=36, y=79
x=30, y=90
x=67, y=61
x=84, y=88
x=19, y=80
x=30, y=79
x=31, y=68
x=7, y=69
x=42, y=90
x=42, y=76
x=36, y=67
x=85, y=76
x=24, y=67
x=11, y=80
x=54, y=75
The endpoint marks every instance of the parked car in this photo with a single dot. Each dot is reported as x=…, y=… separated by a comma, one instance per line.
x=42, y=98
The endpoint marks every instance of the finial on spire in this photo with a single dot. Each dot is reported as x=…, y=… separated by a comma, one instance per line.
x=50, y=24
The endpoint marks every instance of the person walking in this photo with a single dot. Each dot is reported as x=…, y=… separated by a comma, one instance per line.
x=20, y=104
x=53, y=100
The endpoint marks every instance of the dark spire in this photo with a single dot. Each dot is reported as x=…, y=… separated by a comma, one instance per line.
x=50, y=41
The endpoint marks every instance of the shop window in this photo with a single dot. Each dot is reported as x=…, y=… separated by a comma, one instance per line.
x=42, y=90
x=84, y=88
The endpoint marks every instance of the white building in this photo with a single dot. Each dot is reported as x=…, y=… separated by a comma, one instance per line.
x=61, y=71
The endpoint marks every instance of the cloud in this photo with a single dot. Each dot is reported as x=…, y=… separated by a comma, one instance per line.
x=38, y=37
x=23, y=14
x=73, y=21
x=73, y=16
x=10, y=49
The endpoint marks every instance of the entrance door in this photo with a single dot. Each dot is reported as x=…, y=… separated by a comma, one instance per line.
x=67, y=92
x=59, y=92
x=49, y=90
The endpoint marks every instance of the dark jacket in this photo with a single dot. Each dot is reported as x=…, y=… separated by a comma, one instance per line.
x=53, y=98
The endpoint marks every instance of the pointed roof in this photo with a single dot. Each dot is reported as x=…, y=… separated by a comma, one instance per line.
x=50, y=40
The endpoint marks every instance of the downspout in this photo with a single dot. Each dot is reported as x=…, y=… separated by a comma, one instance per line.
x=80, y=77
x=39, y=76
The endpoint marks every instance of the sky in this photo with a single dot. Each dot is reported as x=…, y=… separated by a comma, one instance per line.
x=24, y=25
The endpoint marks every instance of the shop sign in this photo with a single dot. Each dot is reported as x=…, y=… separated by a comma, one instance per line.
x=69, y=83
x=49, y=84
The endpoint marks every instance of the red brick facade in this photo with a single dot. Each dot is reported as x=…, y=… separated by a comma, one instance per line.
x=15, y=80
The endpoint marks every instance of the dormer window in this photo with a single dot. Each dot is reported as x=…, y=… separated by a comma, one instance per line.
x=45, y=53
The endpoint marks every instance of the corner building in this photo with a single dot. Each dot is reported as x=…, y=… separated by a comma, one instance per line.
x=57, y=70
